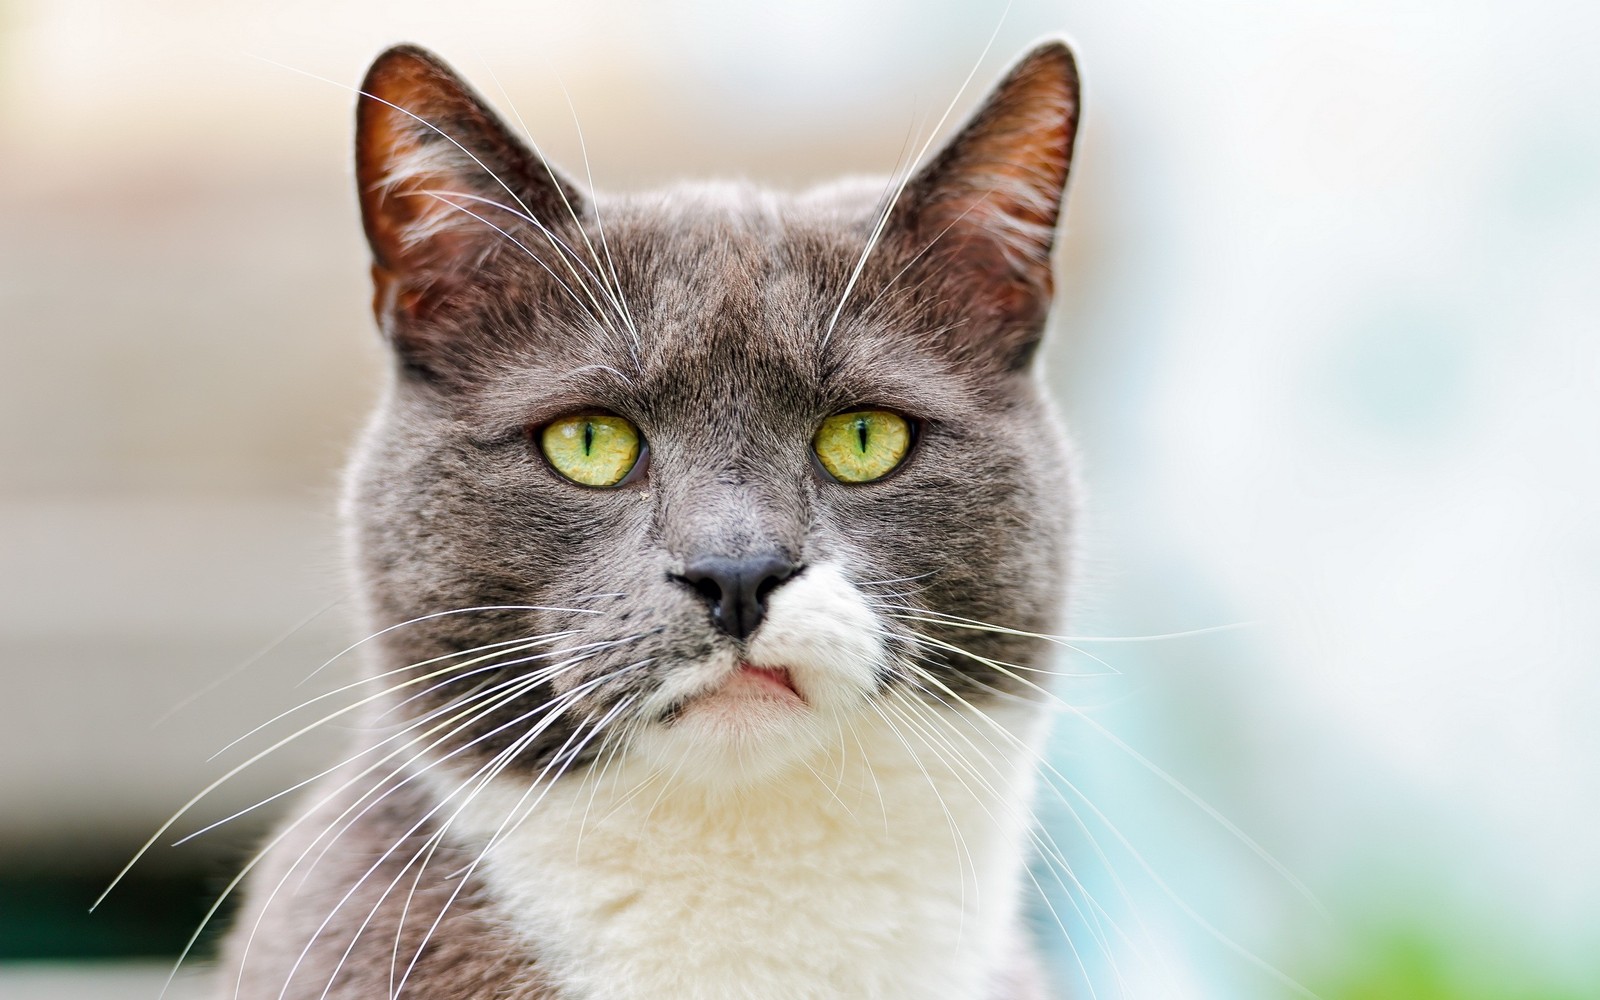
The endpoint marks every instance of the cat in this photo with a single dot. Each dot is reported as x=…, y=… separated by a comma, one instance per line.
x=710, y=540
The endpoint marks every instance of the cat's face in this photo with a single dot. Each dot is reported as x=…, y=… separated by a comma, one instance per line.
x=707, y=586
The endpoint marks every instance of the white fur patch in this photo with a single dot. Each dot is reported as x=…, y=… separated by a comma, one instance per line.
x=818, y=626
x=876, y=855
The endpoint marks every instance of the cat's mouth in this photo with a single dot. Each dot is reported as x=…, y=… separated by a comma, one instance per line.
x=765, y=680
x=750, y=684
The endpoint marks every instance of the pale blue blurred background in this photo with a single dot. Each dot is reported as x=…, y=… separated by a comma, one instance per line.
x=1328, y=340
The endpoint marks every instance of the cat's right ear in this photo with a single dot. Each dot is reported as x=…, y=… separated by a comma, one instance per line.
x=982, y=213
x=444, y=184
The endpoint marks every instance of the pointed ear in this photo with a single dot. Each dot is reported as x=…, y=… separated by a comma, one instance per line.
x=439, y=178
x=985, y=208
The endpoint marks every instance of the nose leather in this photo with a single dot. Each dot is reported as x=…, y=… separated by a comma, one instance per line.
x=736, y=588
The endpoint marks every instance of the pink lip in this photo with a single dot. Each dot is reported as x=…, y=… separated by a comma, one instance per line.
x=771, y=678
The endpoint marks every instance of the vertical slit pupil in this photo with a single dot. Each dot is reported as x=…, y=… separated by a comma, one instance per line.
x=588, y=437
x=861, y=433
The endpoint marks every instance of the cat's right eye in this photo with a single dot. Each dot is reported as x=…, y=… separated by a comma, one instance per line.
x=592, y=449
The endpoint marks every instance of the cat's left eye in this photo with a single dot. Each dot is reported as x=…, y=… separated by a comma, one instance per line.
x=592, y=449
x=863, y=445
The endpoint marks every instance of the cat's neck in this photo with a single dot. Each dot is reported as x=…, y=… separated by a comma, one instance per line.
x=889, y=870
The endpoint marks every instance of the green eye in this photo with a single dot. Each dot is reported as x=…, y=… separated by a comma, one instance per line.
x=594, y=450
x=862, y=446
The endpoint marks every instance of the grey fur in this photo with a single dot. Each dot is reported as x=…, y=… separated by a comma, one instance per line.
x=722, y=356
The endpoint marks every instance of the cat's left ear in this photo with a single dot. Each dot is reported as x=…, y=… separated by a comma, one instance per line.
x=983, y=211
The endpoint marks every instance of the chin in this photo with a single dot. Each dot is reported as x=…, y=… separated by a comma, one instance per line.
x=751, y=727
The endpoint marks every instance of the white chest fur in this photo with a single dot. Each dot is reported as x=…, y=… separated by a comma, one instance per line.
x=885, y=868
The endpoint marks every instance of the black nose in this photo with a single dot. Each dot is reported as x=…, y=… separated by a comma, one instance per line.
x=737, y=588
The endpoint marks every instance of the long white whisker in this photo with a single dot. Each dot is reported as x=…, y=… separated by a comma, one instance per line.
x=953, y=622
x=251, y=661
x=832, y=790
x=436, y=130
x=922, y=720
x=932, y=643
x=432, y=846
x=1077, y=956
x=883, y=806
x=430, y=126
x=957, y=621
x=435, y=615
x=616, y=286
x=483, y=774
x=583, y=647
x=1149, y=870
x=583, y=148
x=1053, y=855
x=279, y=838
x=538, y=677
x=508, y=825
x=908, y=265
x=531, y=642
x=963, y=853
x=556, y=706
x=564, y=250
x=213, y=786
x=597, y=313
x=1205, y=807
x=271, y=896
x=612, y=752
x=518, y=687
x=888, y=209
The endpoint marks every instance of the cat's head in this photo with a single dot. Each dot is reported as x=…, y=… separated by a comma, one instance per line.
x=713, y=469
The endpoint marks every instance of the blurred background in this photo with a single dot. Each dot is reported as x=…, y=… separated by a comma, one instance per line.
x=1327, y=337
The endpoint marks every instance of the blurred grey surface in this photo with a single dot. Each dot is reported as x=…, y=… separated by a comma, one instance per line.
x=97, y=981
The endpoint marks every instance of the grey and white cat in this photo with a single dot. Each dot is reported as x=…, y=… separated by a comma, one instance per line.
x=710, y=537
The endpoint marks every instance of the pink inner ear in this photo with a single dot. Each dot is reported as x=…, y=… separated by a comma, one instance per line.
x=988, y=205
x=1004, y=177
x=433, y=166
x=1007, y=282
x=416, y=194
x=427, y=224
x=444, y=184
